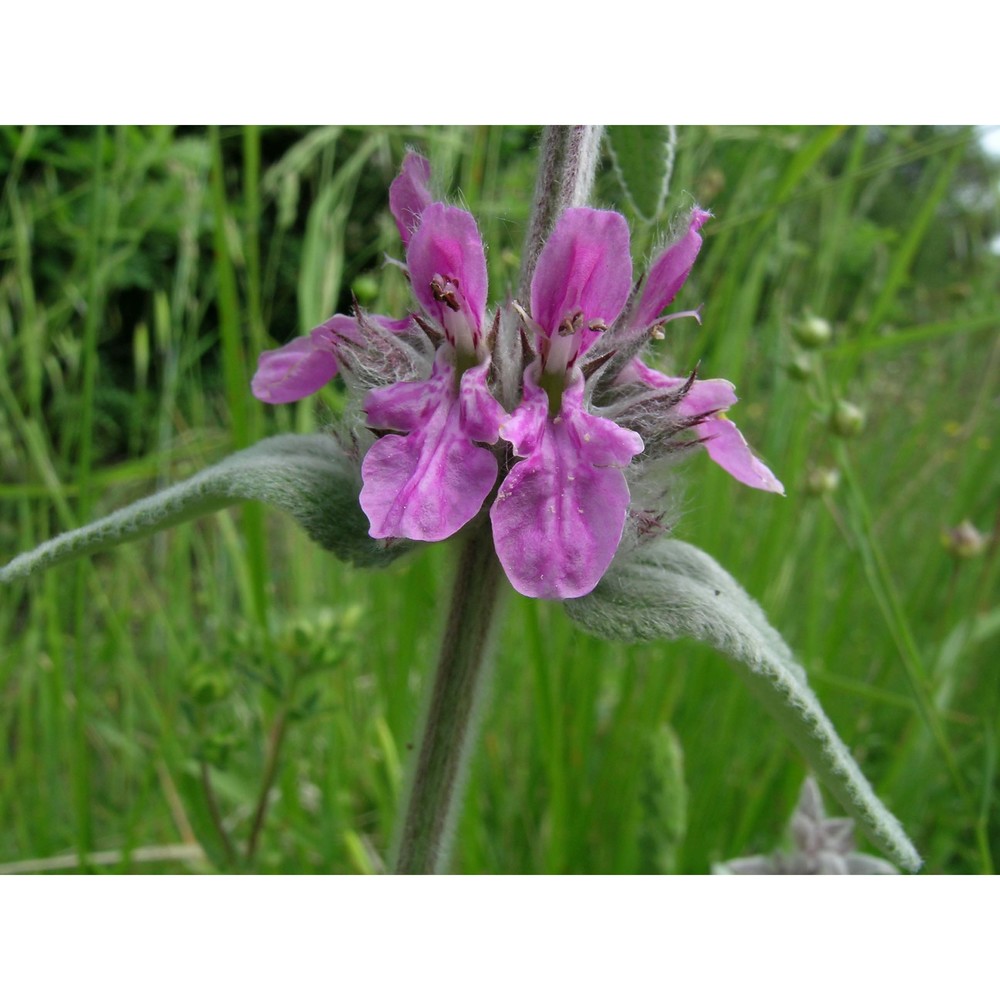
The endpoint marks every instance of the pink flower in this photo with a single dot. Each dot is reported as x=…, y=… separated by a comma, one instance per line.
x=702, y=404
x=428, y=477
x=431, y=479
x=560, y=513
x=590, y=410
x=697, y=405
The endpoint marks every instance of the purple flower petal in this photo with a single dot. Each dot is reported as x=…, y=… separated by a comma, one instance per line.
x=409, y=194
x=726, y=447
x=707, y=395
x=447, y=266
x=586, y=267
x=671, y=270
x=704, y=395
x=403, y=406
x=724, y=443
x=341, y=327
x=559, y=515
x=294, y=371
x=432, y=481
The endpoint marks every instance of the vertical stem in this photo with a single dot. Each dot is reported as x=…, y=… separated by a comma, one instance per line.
x=452, y=710
x=569, y=158
x=215, y=814
x=274, y=745
x=81, y=767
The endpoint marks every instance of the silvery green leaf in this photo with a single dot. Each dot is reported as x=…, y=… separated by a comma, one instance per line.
x=643, y=159
x=306, y=475
x=668, y=589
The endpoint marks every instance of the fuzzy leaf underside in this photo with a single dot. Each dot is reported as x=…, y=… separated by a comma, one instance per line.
x=305, y=475
x=670, y=589
x=643, y=158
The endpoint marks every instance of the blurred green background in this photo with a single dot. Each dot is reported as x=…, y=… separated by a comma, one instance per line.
x=226, y=697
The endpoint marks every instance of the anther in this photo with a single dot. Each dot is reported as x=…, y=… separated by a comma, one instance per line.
x=571, y=324
x=443, y=290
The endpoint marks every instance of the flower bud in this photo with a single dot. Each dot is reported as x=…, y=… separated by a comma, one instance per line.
x=847, y=419
x=365, y=288
x=812, y=331
x=822, y=480
x=207, y=685
x=965, y=541
x=800, y=368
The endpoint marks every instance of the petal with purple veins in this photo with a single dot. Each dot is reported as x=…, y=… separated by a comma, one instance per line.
x=427, y=484
x=560, y=513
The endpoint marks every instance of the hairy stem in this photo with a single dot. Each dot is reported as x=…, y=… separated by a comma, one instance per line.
x=569, y=158
x=451, y=714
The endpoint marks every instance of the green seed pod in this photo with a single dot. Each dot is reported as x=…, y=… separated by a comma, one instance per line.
x=821, y=481
x=812, y=331
x=800, y=368
x=847, y=419
x=965, y=540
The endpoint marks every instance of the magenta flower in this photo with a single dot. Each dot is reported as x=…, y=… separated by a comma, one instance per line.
x=588, y=407
x=560, y=513
x=695, y=404
x=375, y=343
x=429, y=477
x=669, y=272
x=701, y=406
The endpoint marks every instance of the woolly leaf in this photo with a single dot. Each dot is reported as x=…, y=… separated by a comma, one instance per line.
x=307, y=476
x=643, y=158
x=669, y=589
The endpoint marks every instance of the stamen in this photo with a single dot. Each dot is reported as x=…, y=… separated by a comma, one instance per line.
x=571, y=323
x=445, y=289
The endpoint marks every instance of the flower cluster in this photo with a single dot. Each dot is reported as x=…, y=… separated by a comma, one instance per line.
x=822, y=846
x=554, y=458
